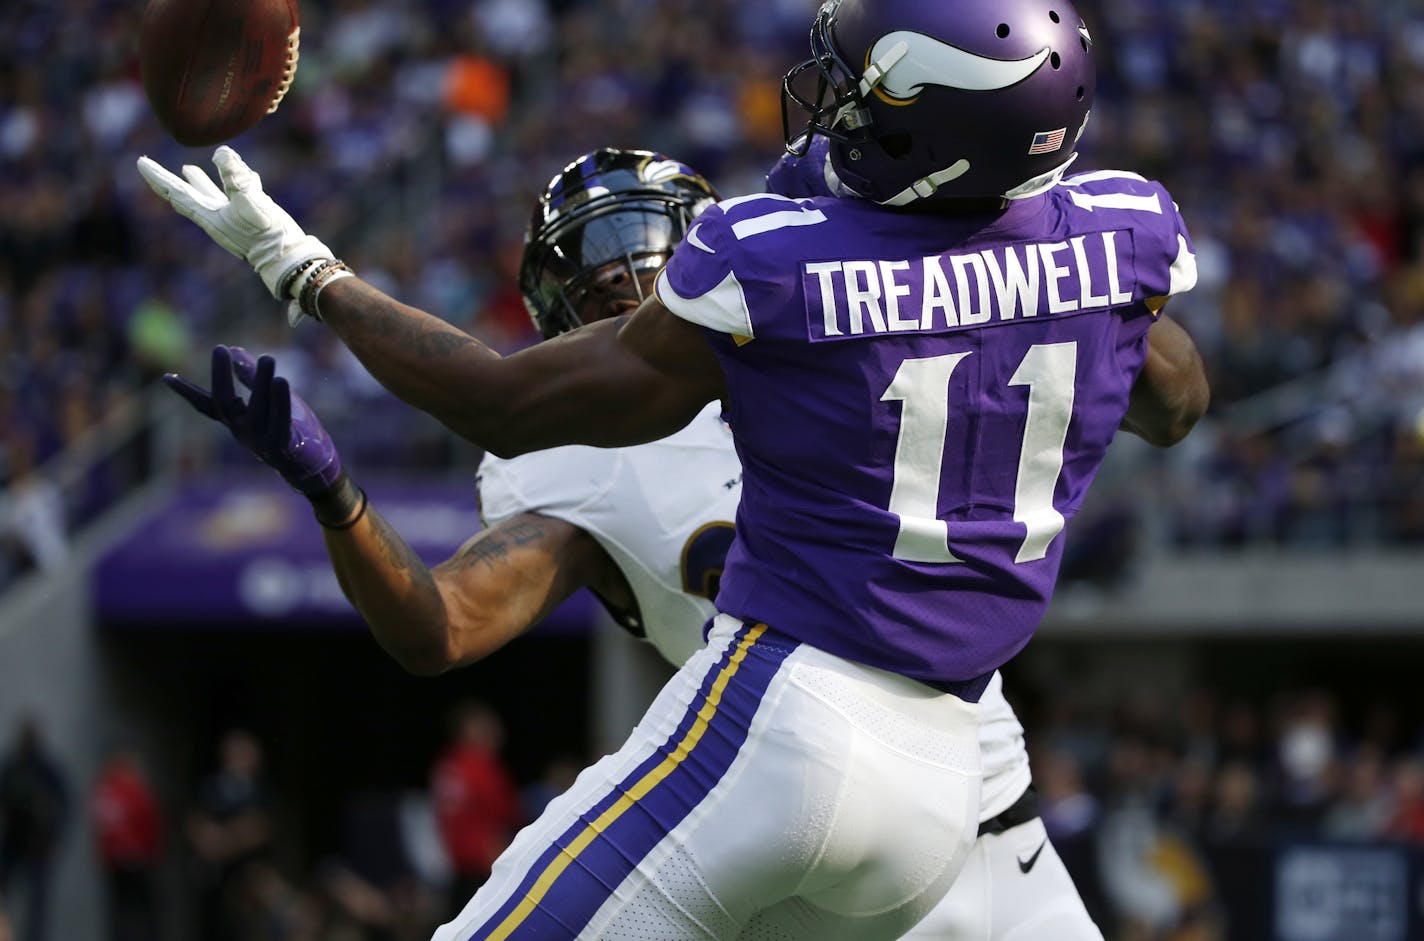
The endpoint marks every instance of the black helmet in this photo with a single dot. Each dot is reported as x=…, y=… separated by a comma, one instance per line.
x=606, y=206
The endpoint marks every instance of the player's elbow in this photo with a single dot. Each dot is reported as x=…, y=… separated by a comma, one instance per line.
x=1189, y=411
x=421, y=653
x=425, y=661
x=471, y=630
x=423, y=643
x=1165, y=429
x=1167, y=435
x=1168, y=400
x=500, y=435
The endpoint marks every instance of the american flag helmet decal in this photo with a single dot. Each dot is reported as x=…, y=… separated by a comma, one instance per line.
x=1046, y=142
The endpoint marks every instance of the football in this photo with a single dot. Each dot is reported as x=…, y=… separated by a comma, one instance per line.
x=212, y=68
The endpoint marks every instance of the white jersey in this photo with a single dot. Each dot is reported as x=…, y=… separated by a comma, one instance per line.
x=663, y=511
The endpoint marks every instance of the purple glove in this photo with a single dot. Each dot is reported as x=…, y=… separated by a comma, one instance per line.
x=807, y=176
x=273, y=422
x=804, y=176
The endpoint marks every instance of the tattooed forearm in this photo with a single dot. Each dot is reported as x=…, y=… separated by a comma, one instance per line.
x=399, y=576
x=361, y=314
x=424, y=361
x=493, y=549
x=421, y=336
x=397, y=553
x=394, y=591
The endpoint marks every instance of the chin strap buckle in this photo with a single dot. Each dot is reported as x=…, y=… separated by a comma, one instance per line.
x=875, y=72
x=927, y=186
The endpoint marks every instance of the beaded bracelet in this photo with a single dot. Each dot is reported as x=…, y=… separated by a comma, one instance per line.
x=333, y=269
x=284, y=290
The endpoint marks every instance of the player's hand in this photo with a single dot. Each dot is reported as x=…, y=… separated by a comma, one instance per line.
x=272, y=422
x=241, y=218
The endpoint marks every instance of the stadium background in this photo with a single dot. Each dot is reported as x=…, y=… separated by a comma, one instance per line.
x=1223, y=707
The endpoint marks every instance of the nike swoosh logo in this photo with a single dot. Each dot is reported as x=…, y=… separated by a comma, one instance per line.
x=697, y=242
x=1026, y=864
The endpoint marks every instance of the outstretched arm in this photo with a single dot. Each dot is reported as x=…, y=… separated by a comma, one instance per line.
x=615, y=382
x=612, y=383
x=502, y=582
x=1171, y=393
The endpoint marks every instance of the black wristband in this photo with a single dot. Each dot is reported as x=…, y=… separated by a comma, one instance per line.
x=341, y=506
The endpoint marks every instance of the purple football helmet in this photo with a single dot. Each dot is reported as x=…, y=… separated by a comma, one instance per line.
x=923, y=99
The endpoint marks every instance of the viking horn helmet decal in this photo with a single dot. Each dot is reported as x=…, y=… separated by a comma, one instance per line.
x=930, y=61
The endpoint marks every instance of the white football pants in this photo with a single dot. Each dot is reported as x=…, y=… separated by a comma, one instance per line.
x=772, y=792
x=1013, y=888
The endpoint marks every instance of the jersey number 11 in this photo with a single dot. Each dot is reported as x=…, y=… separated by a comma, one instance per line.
x=1049, y=370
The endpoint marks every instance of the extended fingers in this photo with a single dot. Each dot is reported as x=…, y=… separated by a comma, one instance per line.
x=261, y=386
x=194, y=395
x=178, y=191
x=279, y=414
x=244, y=365
x=269, y=408
x=229, y=406
x=203, y=183
x=159, y=179
x=236, y=176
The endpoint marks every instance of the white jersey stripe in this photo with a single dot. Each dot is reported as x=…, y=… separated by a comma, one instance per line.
x=724, y=308
x=727, y=205
x=784, y=219
x=1094, y=175
x=1184, y=269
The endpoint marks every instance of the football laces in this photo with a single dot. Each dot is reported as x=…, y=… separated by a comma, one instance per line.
x=289, y=71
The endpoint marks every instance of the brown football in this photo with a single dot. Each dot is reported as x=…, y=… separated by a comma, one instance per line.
x=212, y=68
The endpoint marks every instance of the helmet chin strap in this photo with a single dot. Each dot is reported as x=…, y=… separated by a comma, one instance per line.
x=926, y=186
x=876, y=71
x=1041, y=182
x=852, y=115
x=833, y=180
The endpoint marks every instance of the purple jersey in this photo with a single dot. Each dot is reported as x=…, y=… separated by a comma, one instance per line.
x=920, y=403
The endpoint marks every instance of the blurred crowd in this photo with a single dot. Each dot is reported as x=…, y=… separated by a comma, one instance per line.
x=1290, y=134
x=1290, y=131
x=216, y=863
x=1169, y=813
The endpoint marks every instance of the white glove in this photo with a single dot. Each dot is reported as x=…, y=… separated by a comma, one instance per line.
x=241, y=218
